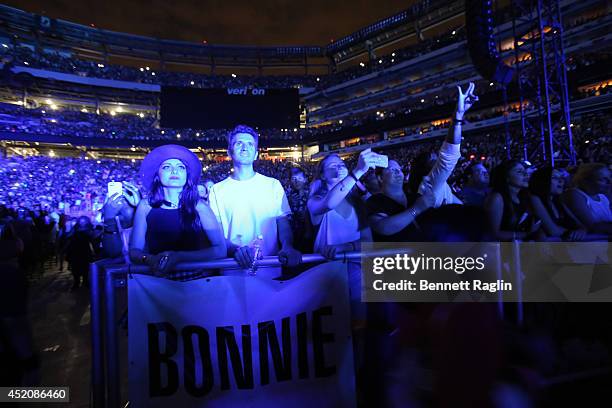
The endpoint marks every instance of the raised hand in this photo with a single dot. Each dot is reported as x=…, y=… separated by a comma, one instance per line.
x=365, y=162
x=131, y=194
x=465, y=100
x=112, y=207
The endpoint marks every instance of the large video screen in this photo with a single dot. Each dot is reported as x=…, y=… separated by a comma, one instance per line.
x=223, y=108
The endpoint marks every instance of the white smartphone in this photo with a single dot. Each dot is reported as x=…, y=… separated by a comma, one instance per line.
x=115, y=187
x=381, y=160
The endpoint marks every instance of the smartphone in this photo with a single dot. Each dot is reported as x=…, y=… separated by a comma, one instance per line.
x=115, y=187
x=381, y=160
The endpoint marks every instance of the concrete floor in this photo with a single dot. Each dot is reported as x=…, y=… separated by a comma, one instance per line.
x=60, y=322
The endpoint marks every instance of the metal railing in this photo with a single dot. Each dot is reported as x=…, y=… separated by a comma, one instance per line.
x=108, y=275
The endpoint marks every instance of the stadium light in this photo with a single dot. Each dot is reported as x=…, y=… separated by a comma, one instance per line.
x=84, y=110
x=380, y=61
x=562, y=127
x=233, y=75
x=422, y=100
x=178, y=135
x=392, y=60
x=454, y=32
x=197, y=134
x=318, y=79
x=361, y=64
x=147, y=68
x=340, y=121
x=491, y=84
x=586, y=142
x=26, y=62
x=44, y=111
x=5, y=46
x=571, y=125
x=100, y=65
x=163, y=131
x=102, y=130
x=393, y=54
x=295, y=129
x=192, y=83
x=153, y=73
x=141, y=69
x=98, y=161
x=53, y=121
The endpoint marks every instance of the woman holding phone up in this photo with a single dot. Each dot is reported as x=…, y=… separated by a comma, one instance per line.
x=173, y=225
x=335, y=208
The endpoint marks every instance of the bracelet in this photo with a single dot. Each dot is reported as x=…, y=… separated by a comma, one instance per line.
x=458, y=121
x=412, y=211
x=353, y=176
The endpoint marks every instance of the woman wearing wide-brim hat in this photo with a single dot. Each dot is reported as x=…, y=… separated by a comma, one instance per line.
x=172, y=225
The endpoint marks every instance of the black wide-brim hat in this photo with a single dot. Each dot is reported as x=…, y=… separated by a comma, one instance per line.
x=152, y=161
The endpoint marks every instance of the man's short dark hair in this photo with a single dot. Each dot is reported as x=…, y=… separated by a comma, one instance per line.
x=294, y=171
x=241, y=129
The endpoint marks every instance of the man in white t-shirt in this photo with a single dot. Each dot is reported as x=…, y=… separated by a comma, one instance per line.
x=248, y=204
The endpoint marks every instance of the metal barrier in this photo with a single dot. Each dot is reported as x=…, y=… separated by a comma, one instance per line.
x=108, y=275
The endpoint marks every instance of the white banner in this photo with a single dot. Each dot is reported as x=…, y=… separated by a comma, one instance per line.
x=237, y=341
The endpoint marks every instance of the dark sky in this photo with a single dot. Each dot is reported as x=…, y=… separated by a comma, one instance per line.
x=240, y=22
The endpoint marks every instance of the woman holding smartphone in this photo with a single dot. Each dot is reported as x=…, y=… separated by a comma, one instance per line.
x=172, y=225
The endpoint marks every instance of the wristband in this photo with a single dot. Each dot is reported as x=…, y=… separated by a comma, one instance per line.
x=412, y=211
x=458, y=121
x=353, y=176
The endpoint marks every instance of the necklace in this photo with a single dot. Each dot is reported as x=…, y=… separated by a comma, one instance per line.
x=170, y=204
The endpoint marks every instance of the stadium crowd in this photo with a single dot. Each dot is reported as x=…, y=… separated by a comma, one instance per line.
x=52, y=192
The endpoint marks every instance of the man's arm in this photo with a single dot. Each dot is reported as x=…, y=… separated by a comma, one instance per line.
x=450, y=151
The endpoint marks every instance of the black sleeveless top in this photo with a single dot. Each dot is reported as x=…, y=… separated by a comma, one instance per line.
x=519, y=218
x=165, y=233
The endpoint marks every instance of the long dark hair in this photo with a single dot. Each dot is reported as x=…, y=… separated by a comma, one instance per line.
x=539, y=186
x=539, y=183
x=188, y=201
x=319, y=189
x=499, y=184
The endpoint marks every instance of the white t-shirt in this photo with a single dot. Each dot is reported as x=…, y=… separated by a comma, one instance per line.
x=248, y=208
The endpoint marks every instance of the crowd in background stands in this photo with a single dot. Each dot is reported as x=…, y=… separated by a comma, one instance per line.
x=75, y=123
x=22, y=55
x=26, y=55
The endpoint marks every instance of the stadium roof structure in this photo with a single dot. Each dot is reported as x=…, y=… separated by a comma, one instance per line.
x=96, y=42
